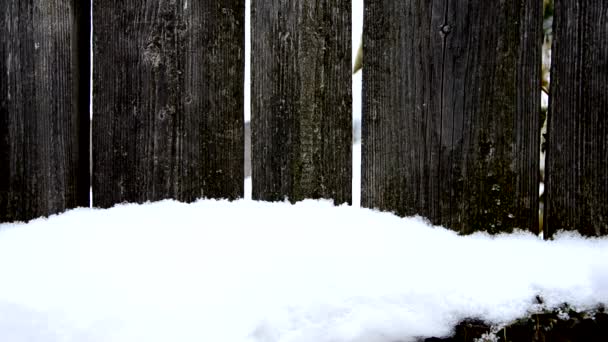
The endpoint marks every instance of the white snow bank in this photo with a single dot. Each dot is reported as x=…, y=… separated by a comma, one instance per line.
x=251, y=271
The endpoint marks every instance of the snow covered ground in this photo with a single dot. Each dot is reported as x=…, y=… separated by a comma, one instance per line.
x=251, y=271
x=265, y=272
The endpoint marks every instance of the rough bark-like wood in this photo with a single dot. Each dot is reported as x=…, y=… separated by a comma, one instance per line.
x=43, y=107
x=451, y=111
x=168, y=100
x=577, y=145
x=301, y=100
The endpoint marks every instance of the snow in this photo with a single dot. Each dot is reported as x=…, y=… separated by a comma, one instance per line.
x=253, y=271
x=356, y=185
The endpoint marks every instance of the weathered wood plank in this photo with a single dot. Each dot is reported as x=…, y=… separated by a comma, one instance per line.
x=168, y=100
x=451, y=111
x=301, y=100
x=43, y=107
x=577, y=145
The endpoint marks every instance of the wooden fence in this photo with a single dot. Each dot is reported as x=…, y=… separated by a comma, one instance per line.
x=44, y=107
x=451, y=107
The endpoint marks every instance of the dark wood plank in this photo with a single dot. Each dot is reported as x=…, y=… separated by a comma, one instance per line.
x=301, y=100
x=451, y=103
x=577, y=146
x=168, y=100
x=43, y=108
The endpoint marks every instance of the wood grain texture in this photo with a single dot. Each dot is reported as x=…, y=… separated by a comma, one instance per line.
x=577, y=144
x=43, y=107
x=451, y=103
x=168, y=100
x=301, y=100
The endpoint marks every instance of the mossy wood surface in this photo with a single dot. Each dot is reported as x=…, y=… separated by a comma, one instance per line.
x=44, y=107
x=168, y=100
x=451, y=104
x=577, y=144
x=301, y=100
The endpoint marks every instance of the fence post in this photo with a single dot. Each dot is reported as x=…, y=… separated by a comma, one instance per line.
x=451, y=106
x=44, y=107
x=168, y=100
x=577, y=144
x=301, y=100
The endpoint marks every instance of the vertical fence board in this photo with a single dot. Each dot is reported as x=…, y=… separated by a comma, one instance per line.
x=301, y=100
x=168, y=100
x=577, y=145
x=43, y=106
x=451, y=106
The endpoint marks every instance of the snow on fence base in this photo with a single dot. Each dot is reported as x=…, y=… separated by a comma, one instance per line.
x=154, y=58
x=250, y=271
